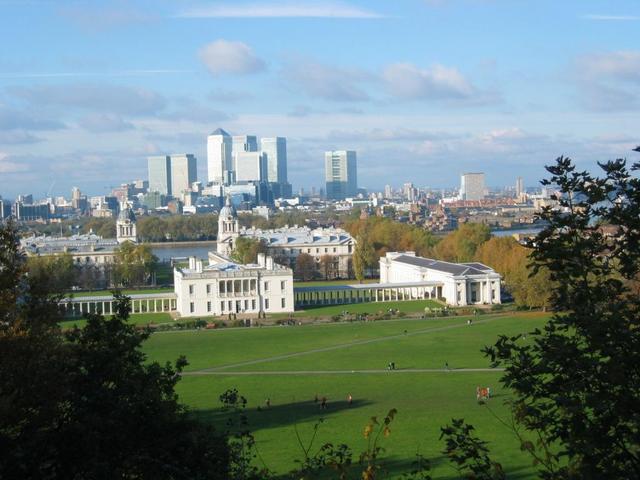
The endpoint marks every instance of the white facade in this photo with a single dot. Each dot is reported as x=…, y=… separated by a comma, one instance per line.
x=219, y=158
x=472, y=186
x=341, y=174
x=249, y=166
x=286, y=244
x=184, y=172
x=225, y=288
x=228, y=229
x=126, y=226
x=462, y=283
x=275, y=152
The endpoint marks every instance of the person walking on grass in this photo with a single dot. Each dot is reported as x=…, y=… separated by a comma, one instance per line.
x=349, y=399
x=323, y=403
x=446, y=366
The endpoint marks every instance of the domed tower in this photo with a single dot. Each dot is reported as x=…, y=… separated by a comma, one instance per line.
x=228, y=229
x=126, y=226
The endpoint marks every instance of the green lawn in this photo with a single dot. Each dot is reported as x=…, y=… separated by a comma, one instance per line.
x=290, y=365
x=412, y=306
x=135, y=319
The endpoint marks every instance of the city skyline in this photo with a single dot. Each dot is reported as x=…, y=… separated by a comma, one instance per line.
x=433, y=88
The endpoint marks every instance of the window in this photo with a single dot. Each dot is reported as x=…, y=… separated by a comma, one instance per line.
x=191, y=290
x=266, y=286
x=246, y=305
x=253, y=304
x=283, y=302
x=283, y=285
x=208, y=306
x=326, y=250
x=208, y=288
x=192, y=307
x=266, y=304
x=308, y=250
x=334, y=249
x=222, y=306
x=317, y=250
x=222, y=287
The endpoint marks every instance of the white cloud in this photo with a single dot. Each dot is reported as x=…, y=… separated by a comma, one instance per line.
x=105, y=122
x=281, y=10
x=101, y=97
x=9, y=166
x=621, y=65
x=328, y=82
x=229, y=57
x=609, y=81
x=118, y=73
x=436, y=82
x=612, y=18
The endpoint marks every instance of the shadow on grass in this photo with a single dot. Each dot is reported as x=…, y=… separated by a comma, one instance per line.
x=279, y=415
x=396, y=467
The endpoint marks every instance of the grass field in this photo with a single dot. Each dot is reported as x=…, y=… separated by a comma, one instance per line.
x=135, y=319
x=290, y=365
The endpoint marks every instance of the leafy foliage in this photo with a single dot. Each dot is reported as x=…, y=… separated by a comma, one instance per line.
x=461, y=245
x=468, y=453
x=86, y=403
x=386, y=235
x=305, y=267
x=246, y=250
x=577, y=386
x=134, y=264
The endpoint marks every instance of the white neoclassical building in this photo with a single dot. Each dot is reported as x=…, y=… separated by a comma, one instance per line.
x=224, y=287
x=458, y=283
x=287, y=243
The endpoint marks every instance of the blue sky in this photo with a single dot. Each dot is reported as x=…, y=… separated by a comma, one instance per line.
x=422, y=89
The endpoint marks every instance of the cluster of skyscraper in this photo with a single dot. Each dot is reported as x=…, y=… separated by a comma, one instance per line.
x=239, y=159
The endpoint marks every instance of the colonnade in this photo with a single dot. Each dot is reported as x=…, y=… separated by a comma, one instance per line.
x=154, y=303
x=306, y=296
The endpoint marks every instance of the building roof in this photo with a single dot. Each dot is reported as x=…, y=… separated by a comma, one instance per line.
x=446, y=267
x=296, y=236
x=219, y=131
x=75, y=244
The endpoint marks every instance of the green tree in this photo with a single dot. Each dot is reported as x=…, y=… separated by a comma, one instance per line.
x=54, y=273
x=364, y=256
x=134, y=264
x=305, y=267
x=246, y=250
x=87, y=403
x=576, y=386
x=513, y=261
x=461, y=244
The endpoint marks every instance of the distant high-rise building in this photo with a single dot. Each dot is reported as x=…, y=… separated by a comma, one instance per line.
x=341, y=174
x=184, y=171
x=219, y=159
x=245, y=143
x=160, y=174
x=249, y=166
x=472, y=186
x=410, y=192
x=5, y=208
x=519, y=187
x=275, y=151
x=388, y=191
